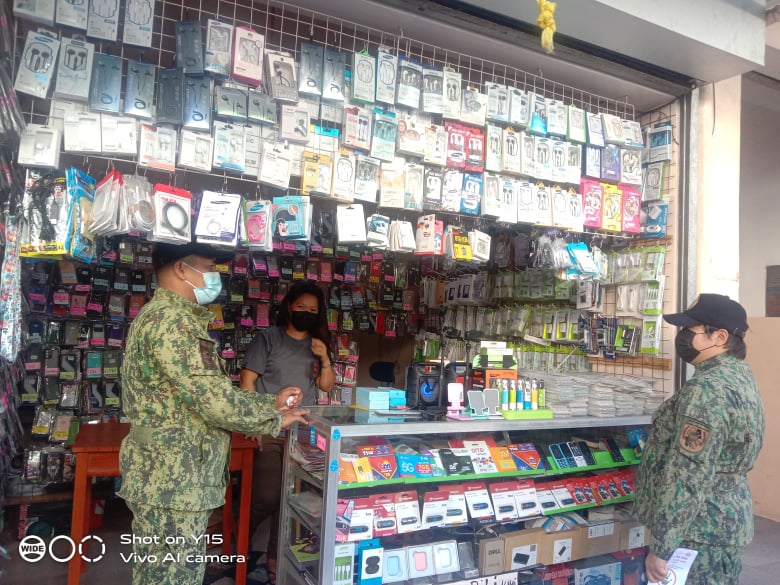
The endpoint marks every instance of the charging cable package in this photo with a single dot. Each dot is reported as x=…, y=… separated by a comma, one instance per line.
x=171, y=214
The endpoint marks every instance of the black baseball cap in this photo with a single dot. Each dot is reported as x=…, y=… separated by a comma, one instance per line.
x=715, y=310
x=165, y=253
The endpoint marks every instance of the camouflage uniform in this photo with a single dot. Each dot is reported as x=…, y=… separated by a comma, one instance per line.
x=692, y=489
x=181, y=406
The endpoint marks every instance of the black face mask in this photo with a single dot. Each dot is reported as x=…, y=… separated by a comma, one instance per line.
x=683, y=344
x=303, y=321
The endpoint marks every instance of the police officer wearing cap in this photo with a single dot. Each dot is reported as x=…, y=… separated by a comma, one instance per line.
x=182, y=407
x=692, y=489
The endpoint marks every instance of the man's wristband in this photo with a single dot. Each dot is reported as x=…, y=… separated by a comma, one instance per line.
x=325, y=367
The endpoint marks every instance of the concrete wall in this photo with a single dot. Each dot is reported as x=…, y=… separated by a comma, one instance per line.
x=759, y=190
x=759, y=246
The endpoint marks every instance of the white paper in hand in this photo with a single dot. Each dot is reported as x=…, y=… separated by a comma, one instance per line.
x=678, y=565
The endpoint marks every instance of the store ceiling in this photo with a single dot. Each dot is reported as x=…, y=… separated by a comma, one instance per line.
x=470, y=34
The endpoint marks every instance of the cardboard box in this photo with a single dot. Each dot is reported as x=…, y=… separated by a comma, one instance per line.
x=491, y=556
x=522, y=548
x=633, y=535
x=599, y=539
x=560, y=547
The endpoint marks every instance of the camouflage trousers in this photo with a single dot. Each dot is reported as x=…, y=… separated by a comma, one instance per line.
x=714, y=565
x=165, y=561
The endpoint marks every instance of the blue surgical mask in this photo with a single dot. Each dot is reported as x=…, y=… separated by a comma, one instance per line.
x=212, y=286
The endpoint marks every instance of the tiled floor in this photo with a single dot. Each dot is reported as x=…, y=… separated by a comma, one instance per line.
x=761, y=559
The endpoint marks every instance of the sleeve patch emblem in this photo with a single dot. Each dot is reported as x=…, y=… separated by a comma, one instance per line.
x=207, y=355
x=694, y=437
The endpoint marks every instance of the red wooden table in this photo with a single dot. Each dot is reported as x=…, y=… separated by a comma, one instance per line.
x=97, y=449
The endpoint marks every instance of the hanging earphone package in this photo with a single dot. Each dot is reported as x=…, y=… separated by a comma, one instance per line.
x=367, y=172
x=37, y=66
x=281, y=80
x=197, y=102
x=171, y=214
x=344, y=176
x=452, y=94
x=170, y=97
x=334, y=66
x=229, y=147
x=139, y=89
x=138, y=22
x=219, y=39
x=195, y=150
x=260, y=107
x=189, y=47
x=363, y=77
x=311, y=60
x=498, y=102
x=248, y=47
x=103, y=19
x=40, y=11
x=157, y=147
x=107, y=84
x=74, y=70
x=387, y=66
x=357, y=127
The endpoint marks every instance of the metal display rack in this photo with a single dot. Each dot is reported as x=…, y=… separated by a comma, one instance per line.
x=330, y=426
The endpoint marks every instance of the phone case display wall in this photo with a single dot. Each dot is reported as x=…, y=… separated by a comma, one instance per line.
x=453, y=501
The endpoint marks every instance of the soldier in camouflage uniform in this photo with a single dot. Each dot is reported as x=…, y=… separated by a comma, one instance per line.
x=182, y=405
x=692, y=489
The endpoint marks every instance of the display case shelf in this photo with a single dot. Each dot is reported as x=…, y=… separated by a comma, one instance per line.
x=604, y=463
x=331, y=426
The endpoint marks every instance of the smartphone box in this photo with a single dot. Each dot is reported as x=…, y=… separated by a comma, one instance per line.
x=407, y=512
x=503, y=495
x=434, y=513
x=478, y=501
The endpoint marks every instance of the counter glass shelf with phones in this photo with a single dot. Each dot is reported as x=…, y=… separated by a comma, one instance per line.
x=373, y=498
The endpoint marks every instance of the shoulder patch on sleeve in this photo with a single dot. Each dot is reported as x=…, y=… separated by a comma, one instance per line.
x=207, y=354
x=694, y=436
